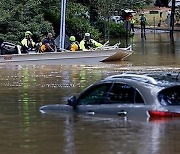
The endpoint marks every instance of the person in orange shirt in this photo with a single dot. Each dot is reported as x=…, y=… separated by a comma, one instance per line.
x=74, y=44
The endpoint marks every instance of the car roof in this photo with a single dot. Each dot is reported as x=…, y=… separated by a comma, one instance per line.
x=148, y=86
x=133, y=77
x=153, y=80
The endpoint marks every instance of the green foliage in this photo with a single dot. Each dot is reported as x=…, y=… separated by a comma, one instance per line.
x=117, y=30
x=77, y=21
x=41, y=16
x=79, y=27
x=18, y=18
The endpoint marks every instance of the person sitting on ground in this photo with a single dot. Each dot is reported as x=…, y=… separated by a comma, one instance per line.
x=48, y=44
x=27, y=42
x=87, y=43
x=74, y=44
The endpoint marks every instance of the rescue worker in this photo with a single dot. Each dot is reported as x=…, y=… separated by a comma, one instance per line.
x=74, y=44
x=48, y=44
x=132, y=21
x=87, y=43
x=143, y=23
x=27, y=42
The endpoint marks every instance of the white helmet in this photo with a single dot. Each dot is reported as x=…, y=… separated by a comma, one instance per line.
x=87, y=34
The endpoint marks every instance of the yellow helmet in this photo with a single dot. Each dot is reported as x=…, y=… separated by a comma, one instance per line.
x=28, y=33
x=72, y=38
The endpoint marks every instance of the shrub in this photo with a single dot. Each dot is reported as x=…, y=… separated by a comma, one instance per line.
x=117, y=29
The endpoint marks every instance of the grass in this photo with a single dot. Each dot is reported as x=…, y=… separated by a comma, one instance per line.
x=152, y=18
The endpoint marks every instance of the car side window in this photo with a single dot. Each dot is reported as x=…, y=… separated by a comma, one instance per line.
x=124, y=94
x=94, y=95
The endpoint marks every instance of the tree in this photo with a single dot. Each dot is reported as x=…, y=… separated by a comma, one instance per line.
x=18, y=16
x=78, y=21
x=39, y=16
x=161, y=3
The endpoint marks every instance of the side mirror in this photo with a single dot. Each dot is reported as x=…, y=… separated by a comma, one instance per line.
x=72, y=101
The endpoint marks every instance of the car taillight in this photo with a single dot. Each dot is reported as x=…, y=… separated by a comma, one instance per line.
x=156, y=113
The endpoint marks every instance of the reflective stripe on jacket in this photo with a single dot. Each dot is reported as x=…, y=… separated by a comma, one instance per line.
x=92, y=44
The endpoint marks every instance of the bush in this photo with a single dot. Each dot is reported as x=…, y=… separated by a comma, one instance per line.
x=117, y=29
x=79, y=27
x=21, y=18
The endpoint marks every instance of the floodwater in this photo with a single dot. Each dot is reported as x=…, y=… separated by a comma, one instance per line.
x=23, y=89
x=155, y=50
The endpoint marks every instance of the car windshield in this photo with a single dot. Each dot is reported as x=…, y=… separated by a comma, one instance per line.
x=170, y=96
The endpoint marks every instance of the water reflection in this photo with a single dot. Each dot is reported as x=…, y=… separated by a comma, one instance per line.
x=69, y=135
x=156, y=50
x=113, y=135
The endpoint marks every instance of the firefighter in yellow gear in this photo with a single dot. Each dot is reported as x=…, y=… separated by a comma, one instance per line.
x=27, y=42
x=87, y=43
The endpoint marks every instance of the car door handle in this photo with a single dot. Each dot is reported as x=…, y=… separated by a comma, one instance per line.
x=122, y=113
x=90, y=113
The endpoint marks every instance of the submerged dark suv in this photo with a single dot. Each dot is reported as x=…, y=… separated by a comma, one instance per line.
x=125, y=95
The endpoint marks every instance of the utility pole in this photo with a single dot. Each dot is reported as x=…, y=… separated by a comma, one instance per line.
x=62, y=25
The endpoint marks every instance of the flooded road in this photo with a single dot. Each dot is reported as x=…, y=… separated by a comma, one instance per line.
x=23, y=89
x=156, y=50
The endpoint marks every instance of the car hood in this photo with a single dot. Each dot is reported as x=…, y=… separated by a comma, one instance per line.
x=56, y=108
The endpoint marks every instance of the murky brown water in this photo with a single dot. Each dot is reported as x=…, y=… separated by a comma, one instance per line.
x=156, y=50
x=23, y=89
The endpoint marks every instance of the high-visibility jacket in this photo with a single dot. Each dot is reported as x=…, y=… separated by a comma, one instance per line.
x=133, y=21
x=28, y=43
x=86, y=45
